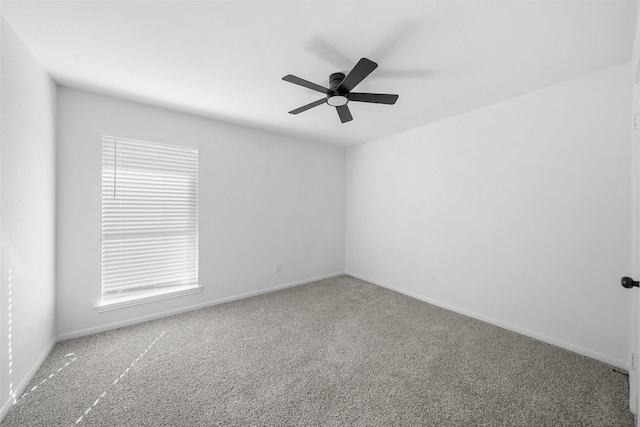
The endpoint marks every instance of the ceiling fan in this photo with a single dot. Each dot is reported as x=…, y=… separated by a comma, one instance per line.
x=339, y=92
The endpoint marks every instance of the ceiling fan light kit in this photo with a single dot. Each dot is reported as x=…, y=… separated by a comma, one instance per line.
x=339, y=92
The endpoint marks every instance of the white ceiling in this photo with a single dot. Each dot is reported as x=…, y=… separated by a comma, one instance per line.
x=225, y=60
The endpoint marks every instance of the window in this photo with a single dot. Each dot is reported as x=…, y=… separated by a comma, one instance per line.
x=149, y=221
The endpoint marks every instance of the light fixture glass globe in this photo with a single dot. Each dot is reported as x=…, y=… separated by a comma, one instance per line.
x=337, y=100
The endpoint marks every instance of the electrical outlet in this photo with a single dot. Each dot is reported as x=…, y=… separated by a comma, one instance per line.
x=278, y=268
x=434, y=279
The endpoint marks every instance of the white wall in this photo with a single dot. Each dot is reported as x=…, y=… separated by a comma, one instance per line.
x=522, y=209
x=263, y=199
x=27, y=221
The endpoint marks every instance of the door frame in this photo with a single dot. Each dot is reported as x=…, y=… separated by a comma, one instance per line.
x=634, y=353
x=634, y=347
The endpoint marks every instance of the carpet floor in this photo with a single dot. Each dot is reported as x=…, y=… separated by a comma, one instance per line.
x=337, y=352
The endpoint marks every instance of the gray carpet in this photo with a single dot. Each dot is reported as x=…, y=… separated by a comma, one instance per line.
x=332, y=353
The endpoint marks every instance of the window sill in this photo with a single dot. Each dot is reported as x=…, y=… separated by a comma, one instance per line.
x=118, y=303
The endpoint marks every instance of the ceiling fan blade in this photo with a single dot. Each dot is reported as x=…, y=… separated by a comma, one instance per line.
x=308, y=106
x=302, y=82
x=344, y=113
x=363, y=68
x=378, y=98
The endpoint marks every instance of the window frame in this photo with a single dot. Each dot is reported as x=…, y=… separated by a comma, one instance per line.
x=154, y=163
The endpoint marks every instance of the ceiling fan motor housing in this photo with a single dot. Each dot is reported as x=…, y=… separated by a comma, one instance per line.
x=334, y=80
x=334, y=98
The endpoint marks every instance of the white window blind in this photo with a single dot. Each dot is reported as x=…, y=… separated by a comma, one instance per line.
x=149, y=218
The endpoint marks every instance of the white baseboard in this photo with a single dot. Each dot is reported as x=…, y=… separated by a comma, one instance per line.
x=134, y=321
x=550, y=340
x=20, y=388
